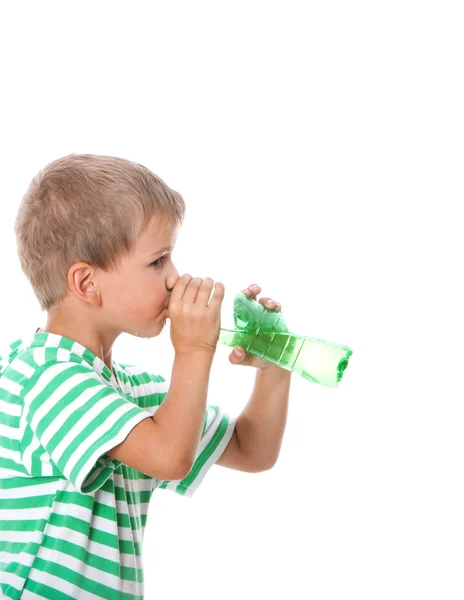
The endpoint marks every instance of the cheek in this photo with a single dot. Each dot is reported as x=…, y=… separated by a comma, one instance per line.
x=141, y=295
x=128, y=294
x=149, y=293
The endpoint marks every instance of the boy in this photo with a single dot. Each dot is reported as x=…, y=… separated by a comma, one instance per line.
x=84, y=440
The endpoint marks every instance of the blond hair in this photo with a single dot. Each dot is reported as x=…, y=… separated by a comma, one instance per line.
x=88, y=208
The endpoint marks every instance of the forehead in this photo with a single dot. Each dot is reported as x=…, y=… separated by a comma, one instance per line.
x=159, y=233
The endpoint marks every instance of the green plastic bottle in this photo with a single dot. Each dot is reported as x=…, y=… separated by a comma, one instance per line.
x=263, y=332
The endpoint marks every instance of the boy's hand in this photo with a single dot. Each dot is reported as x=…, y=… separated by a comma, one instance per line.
x=195, y=324
x=248, y=360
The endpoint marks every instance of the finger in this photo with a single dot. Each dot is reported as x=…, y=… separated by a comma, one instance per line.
x=254, y=288
x=269, y=302
x=238, y=352
x=191, y=292
x=218, y=296
x=204, y=291
x=179, y=288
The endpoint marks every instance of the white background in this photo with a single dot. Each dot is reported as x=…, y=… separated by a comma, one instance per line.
x=319, y=149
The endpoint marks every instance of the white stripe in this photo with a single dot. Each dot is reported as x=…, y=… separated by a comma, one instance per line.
x=9, y=432
x=28, y=491
x=10, y=473
x=31, y=448
x=23, y=367
x=102, y=550
x=11, y=409
x=24, y=514
x=31, y=595
x=11, y=386
x=15, y=456
x=216, y=418
x=19, y=536
x=39, y=354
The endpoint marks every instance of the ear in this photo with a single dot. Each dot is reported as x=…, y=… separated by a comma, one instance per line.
x=82, y=282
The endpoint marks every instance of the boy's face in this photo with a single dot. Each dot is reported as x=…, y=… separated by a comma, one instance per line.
x=135, y=298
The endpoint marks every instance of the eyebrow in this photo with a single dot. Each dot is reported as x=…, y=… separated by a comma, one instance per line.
x=162, y=250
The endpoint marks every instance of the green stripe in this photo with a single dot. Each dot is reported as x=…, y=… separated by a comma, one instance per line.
x=12, y=483
x=9, y=463
x=204, y=456
x=9, y=420
x=18, y=525
x=12, y=375
x=9, y=443
x=27, y=502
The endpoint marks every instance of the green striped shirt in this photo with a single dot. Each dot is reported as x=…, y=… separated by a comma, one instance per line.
x=71, y=517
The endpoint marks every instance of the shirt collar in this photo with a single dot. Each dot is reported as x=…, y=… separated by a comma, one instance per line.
x=45, y=339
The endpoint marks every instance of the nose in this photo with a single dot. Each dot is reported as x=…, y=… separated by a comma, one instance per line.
x=170, y=287
x=174, y=276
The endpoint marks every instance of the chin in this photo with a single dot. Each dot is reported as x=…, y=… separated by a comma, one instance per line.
x=161, y=324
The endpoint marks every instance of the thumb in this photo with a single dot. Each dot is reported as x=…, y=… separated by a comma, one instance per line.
x=238, y=355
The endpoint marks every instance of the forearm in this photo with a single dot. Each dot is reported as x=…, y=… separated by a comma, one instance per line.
x=260, y=426
x=182, y=413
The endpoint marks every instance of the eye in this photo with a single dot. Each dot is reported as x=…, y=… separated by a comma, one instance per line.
x=157, y=262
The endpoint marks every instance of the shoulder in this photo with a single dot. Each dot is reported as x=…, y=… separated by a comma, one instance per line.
x=26, y=365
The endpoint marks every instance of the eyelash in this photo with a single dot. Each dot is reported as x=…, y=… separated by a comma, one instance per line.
x=158, y=260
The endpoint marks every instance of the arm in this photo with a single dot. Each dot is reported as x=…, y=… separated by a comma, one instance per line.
x=181, y=416
x=260, y=427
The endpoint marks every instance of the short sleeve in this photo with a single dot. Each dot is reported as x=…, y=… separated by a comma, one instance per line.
x=72, y=416
x=217, y=431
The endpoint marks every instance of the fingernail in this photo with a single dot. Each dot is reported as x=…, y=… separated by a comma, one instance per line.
x=238, y=352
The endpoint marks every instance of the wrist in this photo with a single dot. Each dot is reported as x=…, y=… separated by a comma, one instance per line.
x=197, y=353
x=273, y=371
